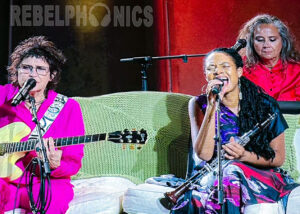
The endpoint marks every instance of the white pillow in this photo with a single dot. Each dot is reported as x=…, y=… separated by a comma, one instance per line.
x=144, y=199
x=99, y=195
x=265, y=208
x=294, y=202
x=297, y=147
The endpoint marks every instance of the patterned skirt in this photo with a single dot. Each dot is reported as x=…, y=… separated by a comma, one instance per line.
x=243, y=185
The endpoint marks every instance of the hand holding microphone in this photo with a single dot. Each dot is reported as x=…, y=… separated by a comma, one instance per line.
x=23, y=92
x=214, y=88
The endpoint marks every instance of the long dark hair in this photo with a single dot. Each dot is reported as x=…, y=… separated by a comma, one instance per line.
x=254, y=109
x=255, y=106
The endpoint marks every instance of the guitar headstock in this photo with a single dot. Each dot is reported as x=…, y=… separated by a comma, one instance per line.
x=126, y=136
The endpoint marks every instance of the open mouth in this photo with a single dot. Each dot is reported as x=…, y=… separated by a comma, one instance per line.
x=225, y=80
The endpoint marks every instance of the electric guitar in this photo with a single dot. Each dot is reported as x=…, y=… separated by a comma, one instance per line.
x=11, y=150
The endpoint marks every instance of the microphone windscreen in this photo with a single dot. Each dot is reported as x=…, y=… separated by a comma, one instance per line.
x=241, y=43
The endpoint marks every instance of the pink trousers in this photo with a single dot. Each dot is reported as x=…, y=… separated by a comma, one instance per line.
x=61, y=190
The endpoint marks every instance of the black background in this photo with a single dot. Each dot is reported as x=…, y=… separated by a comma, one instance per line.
x=93, y=56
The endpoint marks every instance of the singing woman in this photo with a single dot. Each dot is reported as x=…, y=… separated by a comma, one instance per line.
x=253, y=175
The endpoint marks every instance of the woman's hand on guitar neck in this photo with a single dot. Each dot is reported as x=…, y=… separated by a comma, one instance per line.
x=53, y=155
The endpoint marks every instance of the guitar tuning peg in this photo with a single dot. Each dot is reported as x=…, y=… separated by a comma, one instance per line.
x=129, y=140
x=138, y=141
x=121, y=141
x=131, y=147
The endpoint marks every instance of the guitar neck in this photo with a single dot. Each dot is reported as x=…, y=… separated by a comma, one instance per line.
x=60, y=142
x=29, y=145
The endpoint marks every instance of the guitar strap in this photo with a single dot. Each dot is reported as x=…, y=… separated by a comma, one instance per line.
x=50, y=115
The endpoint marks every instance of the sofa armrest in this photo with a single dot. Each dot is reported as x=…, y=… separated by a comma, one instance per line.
x=290, y=163
x=289, y=107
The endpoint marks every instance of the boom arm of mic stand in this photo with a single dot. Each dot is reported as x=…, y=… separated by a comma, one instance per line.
x=146, y=61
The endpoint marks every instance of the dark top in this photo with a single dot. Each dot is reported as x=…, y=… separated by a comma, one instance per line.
x=229, y=122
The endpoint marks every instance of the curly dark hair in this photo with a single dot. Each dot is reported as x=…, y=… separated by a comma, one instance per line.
x=289, y=52
x=39, y=47
x=253, y=109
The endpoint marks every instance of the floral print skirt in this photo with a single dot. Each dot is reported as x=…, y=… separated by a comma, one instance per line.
x=243, y=185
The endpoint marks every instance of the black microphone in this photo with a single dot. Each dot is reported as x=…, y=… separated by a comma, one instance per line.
x=216, y=89
x=23, y=92
x=241, y=43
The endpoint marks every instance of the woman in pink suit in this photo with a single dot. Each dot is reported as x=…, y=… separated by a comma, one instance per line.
x=39, y=59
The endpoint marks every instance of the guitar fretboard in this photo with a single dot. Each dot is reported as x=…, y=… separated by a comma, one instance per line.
x=29, y=145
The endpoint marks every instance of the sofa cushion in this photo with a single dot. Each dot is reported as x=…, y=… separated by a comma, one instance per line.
x=163, y=115
x=144, y=199
x=99, y=195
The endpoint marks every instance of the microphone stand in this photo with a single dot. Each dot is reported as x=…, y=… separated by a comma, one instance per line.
x=145, y=65
x=146, y=61
x=218, y=141
x=44, y=166
x=45, y=160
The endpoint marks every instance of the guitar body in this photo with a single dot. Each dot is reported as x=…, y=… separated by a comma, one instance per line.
x=13, y=132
